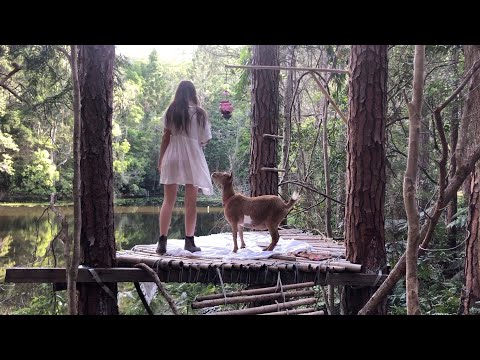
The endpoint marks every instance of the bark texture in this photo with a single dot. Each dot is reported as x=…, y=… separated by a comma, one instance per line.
x=265, y=111
x=365, y=173
x=471, y=291
x=97, y=235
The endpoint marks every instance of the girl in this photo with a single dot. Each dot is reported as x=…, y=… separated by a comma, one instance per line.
x=182, y=161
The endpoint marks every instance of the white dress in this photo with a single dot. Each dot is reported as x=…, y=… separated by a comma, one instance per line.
x=184, y=161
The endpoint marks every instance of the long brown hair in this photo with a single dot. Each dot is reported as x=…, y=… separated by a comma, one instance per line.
x=177, y=113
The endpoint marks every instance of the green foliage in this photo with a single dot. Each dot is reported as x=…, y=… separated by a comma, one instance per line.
x=440, y=274
x=36, y=142
x=40, y=175
x=45, y=302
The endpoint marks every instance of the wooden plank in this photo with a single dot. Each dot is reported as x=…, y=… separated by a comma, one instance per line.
x=242, y=275
x=58, y=275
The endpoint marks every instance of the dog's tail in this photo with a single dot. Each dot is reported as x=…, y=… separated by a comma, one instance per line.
x=293, y=200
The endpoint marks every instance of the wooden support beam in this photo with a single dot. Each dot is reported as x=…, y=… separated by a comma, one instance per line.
x=267, y=67
x=244, y=275
x=272, y=169
x=272, y=136
x=314, y=71
x=59, y=275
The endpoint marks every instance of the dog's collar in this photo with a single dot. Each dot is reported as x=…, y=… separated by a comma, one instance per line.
x=225, y=202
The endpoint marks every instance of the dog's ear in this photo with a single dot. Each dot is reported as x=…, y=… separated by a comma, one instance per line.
x=230, y=174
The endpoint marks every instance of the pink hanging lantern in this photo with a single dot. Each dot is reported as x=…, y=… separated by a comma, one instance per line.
x=226, y=107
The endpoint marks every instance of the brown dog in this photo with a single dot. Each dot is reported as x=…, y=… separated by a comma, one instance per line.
x=259, y=213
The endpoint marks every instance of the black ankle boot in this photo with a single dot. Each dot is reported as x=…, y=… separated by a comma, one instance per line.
x=162, y=245
x=190, y=244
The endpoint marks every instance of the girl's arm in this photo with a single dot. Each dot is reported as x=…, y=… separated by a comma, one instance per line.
x=163, y=146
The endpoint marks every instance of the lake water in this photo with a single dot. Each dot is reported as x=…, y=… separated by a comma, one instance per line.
x=26, y=233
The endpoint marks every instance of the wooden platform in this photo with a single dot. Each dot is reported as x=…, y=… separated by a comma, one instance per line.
x=324, y=265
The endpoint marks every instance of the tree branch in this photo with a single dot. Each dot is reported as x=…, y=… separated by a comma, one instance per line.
x=16, y=68
x=467, y=77
x=64, y=52
x=426, y=232
x=409, y=188
x=157, y=281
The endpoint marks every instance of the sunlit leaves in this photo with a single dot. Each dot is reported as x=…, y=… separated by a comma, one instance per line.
x=40, y=174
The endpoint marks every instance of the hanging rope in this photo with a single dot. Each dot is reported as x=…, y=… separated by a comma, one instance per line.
x=448, y=249
x=221, y=283
x=279, y=284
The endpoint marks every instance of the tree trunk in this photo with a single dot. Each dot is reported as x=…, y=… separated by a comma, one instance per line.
x=287, y=126
x=465, y=165
x=77, y=206
x=365, y=173
x=97, y=235
x=265, y=108
x=471, y=290
x=409, y=188
x=423, y=161
x=326, y=169
x=453, y=206
x=323, y=118
x=464, y=131
x=340, y=209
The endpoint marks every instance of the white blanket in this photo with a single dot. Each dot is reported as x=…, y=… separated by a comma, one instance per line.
x=220, y=246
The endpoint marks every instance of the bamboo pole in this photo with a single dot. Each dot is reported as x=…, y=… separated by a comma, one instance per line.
x=291, y=312
x=272, y=136
x=265, y=290
x=347, y=265
x=334, y=104
x=320, y=312
x=252, y=298
x=135, y=259
x=268, y=308
x=283, y=257
x=267, y=67
x=272, y=169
